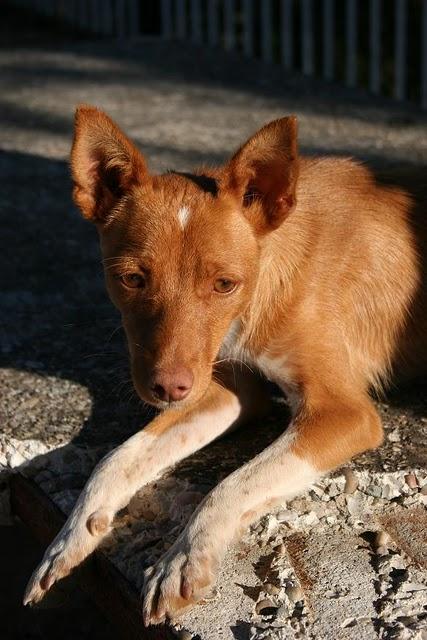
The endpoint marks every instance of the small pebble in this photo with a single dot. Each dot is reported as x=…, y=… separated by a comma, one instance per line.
x=265, y=607
x=271, y=588
x=414, y=586
x=295, y=594
x=184, y=635
x=280, y=549
x=351, y=481
x=424, y=490
x=411, y=480
x=381, y=551
x=382, y=539
x=348, y=622
x=283, y=612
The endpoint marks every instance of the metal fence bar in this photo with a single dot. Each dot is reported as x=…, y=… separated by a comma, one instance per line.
x=266, y=31
x=423, y=96
x=248, y=27
x=328, y=39
x=120, y=18
x=91, y=18
x=375, y=46
x=351, y=44
x=400, y=20
x=134, y=18
x=286, y=33
x=107, y=17
x=180, y=19
x=229, y=25
x=187, y=18
x=213, y=25
x=196, y=21
x=81, y=12
x=93, y=15
x=307, y=37
x=166, y=18
x=87, y=16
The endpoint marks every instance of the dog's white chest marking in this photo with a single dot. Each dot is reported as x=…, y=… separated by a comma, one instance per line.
x=183, y=216
x=279, y=369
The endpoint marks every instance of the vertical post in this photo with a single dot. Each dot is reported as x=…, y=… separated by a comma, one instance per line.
x=196, y=21
x=88, y=16
x=248, y=27
x=71, y=13
x=375, y=46
x=266, y=31
x=229, y=26
x=81, y=14
x=213, y=28
x=424, y=56
x=166, y=13
x=400, y=19
x=307, y=36
x=286, y=33
x=328, y=39
x=107, y=17
x=95, y=13
x=351, y=44
x=120, y=19
x=134, y=18
x=180, y=19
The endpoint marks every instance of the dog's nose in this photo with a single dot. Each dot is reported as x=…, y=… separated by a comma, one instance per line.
x=171, y=386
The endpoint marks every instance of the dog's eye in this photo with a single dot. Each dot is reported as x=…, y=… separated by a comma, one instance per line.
x=133, y=280
x=223, y=285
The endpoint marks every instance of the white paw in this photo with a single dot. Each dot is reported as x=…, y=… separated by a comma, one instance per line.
x=181, y=578
x=71, y=546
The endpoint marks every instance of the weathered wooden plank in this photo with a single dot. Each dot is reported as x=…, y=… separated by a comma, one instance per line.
x=97, y=576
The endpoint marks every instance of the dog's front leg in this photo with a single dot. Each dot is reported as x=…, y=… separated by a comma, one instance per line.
x=320, y=438
x=170, y=437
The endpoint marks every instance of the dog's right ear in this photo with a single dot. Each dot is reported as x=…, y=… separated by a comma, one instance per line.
x=104, y=163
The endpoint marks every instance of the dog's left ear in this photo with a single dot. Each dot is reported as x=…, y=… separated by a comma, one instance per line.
x=264, y=171
x=104, y=163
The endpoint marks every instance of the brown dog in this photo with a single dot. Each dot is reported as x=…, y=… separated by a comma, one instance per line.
x=307, y=269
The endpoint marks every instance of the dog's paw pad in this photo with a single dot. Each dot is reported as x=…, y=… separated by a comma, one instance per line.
x=176, y=583
x=45, y=577
x=98, y=523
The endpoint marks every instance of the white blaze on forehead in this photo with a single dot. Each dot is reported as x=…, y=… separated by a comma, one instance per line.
x=183, y=216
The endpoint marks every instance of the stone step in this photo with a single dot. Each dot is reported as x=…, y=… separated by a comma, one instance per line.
x=408, y=529
x=337, y=578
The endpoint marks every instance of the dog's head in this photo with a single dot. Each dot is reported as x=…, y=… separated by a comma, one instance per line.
x=181, y=251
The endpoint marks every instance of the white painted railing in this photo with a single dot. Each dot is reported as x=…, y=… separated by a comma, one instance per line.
x=301, y=35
